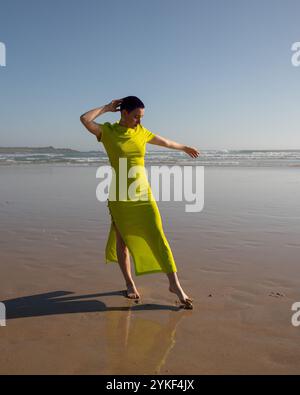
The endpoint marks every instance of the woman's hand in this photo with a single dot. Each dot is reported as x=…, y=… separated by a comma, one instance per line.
x=162, y=141
x=113, y=105
x=193, y=152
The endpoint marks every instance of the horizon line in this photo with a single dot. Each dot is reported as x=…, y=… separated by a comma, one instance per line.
x=160, y=148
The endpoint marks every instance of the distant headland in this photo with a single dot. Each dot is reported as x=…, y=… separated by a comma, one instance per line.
x=35, y=150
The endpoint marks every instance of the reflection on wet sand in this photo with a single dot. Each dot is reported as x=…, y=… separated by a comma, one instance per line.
x=139, y=342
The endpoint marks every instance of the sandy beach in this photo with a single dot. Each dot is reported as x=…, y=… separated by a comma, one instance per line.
x=66, y=311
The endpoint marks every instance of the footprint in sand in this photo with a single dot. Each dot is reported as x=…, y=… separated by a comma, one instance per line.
x=276, y=294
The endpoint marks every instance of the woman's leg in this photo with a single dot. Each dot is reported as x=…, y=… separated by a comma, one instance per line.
x=175, y=287
x=124, y=263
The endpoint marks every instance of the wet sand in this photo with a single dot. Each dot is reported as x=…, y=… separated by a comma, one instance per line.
x=66, y=312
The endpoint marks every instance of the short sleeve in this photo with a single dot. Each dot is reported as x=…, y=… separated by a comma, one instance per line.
x=103, y=133
x=147, y=134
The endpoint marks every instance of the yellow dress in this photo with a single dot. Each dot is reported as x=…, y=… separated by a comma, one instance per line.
x=138, y=221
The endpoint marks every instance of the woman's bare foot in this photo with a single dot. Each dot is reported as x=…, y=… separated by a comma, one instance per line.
x=184, y=299
x=132, y=292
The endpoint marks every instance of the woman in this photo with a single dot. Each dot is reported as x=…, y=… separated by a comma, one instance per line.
x=136, y=226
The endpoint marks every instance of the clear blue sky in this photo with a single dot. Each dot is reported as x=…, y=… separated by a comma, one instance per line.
x=212, y=73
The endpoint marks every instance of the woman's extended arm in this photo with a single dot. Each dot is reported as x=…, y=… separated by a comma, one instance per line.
x=88, y=118
x=159, y=140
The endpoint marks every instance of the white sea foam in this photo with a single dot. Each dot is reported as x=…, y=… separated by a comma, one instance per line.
x=221, y=157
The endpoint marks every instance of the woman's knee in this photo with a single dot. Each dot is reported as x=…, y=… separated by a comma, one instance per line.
x=121, y=247
x=120, y=241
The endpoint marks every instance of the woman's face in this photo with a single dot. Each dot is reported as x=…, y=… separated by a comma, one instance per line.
x=134, y=117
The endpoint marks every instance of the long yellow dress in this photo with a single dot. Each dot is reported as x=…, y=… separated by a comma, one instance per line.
x=138, y=221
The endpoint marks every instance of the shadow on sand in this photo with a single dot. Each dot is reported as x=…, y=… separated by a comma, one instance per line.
x=59, y=303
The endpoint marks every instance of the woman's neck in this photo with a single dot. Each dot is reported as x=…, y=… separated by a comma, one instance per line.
x=122, y=123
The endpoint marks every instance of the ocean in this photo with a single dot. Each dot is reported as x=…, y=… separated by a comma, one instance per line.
x=223, y=158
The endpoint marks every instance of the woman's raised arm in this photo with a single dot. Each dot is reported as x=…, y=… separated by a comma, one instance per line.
x=88, y=117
